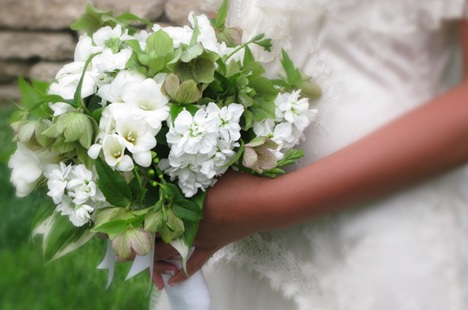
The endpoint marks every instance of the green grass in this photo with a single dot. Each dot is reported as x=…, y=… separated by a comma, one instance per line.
x=72, y=282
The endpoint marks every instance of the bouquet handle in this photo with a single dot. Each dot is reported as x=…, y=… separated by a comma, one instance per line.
x=192, y=294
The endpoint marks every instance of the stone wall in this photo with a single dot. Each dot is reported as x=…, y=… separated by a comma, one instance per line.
x=35, y=39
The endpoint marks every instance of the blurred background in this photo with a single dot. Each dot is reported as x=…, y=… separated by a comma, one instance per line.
x=35, y=42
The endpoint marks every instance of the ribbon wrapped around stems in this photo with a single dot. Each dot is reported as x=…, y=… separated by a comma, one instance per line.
x=192, y=294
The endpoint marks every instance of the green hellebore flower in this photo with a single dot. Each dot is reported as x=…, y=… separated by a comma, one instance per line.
x=73, y=127
x=132, y=240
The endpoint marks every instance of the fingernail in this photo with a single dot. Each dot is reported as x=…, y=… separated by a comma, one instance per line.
x=169, y=272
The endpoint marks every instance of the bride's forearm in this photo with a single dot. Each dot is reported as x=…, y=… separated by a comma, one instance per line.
x=426, y=142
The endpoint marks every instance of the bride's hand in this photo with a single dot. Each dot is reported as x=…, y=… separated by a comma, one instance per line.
x=226, y=218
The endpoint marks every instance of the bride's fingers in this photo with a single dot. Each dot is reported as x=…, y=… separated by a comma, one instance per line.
x=164, y=251
x=196, y=261
x=161, y=267
x=158, y=280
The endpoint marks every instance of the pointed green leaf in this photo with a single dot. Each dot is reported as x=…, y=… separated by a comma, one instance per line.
x=91, y=20
x=113, y=185
x=61, y=235
x=221, y=15
x=112, y=228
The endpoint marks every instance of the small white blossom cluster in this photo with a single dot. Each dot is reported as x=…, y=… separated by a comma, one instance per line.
x=74, y=190
x=293, y=115
x=110, y=57
x=202, y=145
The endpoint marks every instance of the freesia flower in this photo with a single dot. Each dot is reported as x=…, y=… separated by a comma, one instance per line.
x=28, y=166
x=150, y=102
x=112, y=92
x=110, y=37
x=137, y=138
x=114, y=154
x=68, y=78
x=109, y=61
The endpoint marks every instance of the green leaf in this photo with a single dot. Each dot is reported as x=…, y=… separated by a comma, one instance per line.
x=112, y=228
x=92, y=20
x=293, y=75
x=191, y=227
x=173, y=228
x=187, y=210
x=62, y=237
x=77, y=95
x=220, y=20
x=237, y=156
x=127, y=17
x=32, y=97
x=107, y=215
x=113, y=185
x=153, y=220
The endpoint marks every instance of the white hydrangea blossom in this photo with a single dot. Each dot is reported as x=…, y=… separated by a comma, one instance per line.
x=73, y=188
x=292, y=115
x=201, y=146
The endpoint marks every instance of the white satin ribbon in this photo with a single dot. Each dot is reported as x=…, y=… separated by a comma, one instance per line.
x=192, y=294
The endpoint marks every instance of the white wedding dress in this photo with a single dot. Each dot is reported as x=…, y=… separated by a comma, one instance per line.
x=375, y=60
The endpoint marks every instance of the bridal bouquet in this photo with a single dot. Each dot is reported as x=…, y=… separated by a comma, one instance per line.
x=129, y=136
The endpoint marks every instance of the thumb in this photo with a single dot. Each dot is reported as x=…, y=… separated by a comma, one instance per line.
x=197, y=260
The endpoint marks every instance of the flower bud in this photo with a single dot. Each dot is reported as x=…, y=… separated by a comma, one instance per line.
x=232, y=36
x=258, y=154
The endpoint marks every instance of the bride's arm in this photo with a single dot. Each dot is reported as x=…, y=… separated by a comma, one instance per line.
x=428, y=141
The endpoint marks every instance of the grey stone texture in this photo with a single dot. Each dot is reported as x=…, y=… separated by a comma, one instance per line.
x=36, y=40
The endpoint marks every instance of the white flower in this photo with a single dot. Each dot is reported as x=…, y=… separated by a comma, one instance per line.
x=85, y=48
x=207, y=35
x=60, y=108
x=187, y=170
x=141, y=38
x=147, y=97
x=68, y=78
x=137, y=138
x=113, y=92
x=27, y=168
x=57, y=180
x=108, y=61
x=229, y=116
x=193, y=134
x=109, y=37
x=179, y=35
x=81, y=215
x=82, y=186
x=114, y=154
x=294, y=109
